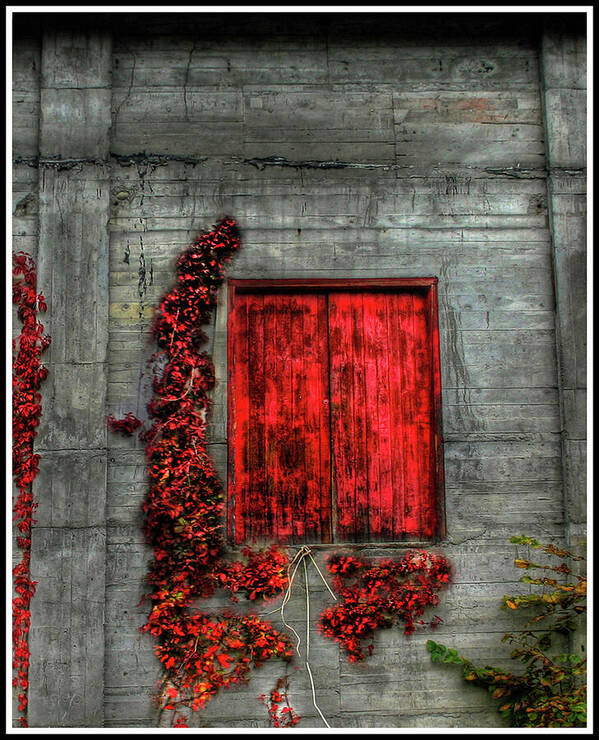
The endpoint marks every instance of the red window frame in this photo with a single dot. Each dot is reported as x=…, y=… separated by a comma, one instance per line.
x=426, y=285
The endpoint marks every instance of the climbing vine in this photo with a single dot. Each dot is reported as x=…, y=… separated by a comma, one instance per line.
x=280, y=711
x=200, y=653
x=379, y=594
x=27, y=377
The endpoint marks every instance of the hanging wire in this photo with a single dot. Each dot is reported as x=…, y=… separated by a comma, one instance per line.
x=300, y=559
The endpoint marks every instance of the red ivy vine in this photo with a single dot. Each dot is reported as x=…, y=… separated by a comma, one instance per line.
x=377, y=595
x=280, y=711
x=201, y=653
x=125, y=426
x=27, y=377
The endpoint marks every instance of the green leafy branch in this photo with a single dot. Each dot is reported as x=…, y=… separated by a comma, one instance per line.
x=551, y=691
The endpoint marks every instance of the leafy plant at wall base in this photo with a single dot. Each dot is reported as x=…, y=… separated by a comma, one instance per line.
x=201, y=653
x=551, y=692
x=379, y=594
x=27, y=377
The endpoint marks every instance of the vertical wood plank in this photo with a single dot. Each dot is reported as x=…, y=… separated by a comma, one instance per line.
x=278, y=417
x=311, y=379
x=342, y=420
x=254, y=495
x=238, y=415
x=321, y=338
x=437, y=464
x=423, y=401
x=412, y=355
x=396, y=514
x=377, y=419
x=348, y=412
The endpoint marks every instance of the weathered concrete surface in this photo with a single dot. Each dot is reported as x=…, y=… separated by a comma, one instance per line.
x=344, y=148
x=564, y=67
x=430, y=138
x=564, y=94
x=68, y=553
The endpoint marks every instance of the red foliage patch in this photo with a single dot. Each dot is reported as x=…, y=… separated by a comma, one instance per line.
x=27, y=377
x=280, y=711
x=125, y=426
x=200, y=653
x=377, y=595
x=263, y=575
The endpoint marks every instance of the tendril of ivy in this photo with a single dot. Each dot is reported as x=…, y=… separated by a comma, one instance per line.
x=27, y=376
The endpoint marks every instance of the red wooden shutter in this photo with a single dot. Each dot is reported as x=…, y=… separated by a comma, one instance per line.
x=381, y=416
x=280, y=419
x=334, y=400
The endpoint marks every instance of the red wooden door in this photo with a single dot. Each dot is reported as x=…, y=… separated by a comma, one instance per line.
x=333, y=412
x=280, y=472
x=381, y=416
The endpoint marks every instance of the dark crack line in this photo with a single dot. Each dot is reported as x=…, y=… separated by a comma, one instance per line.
x=191, y=53
x=128, y=95
x=140, y=158
x=261, y=162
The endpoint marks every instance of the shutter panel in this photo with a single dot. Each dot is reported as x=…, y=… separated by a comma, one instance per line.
x=334, y=407
x=280, y=477
x=381, y=414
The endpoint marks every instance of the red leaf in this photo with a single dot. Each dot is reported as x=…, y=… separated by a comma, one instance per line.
x=224, y=660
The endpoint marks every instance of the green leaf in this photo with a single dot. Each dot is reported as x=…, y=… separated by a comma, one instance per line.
x=432, y=646
x=523, y=540
x=452, y=656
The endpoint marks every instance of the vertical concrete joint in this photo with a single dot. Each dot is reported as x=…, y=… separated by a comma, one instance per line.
x=563, y=92
x=68, y=555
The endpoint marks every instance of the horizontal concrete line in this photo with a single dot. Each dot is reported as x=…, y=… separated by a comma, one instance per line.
x=75, y=363
x=261, y=163
x=519, y=172
x=157, y=159
x=65, y=163
x=58, y=162
x=499, y=388
x=566, y=87
x=274, y=161
x=567, y=170
x=87, y=450
x=70, y=526
x=75, y=87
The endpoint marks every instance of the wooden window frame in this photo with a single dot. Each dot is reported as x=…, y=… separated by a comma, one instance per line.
x=428, y=285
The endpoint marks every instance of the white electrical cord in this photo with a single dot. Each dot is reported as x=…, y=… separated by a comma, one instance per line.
x=300, y=558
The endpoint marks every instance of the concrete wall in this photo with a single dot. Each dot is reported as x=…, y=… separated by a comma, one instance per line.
x=455, y=145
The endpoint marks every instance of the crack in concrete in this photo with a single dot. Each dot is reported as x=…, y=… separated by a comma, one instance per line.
x=191, y=53
x=125, y=160
x=273, y=161
x=128, y=95
x=530, y=173
x=58, y=162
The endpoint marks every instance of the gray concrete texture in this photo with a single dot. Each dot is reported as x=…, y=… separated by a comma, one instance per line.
x=344, y=147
